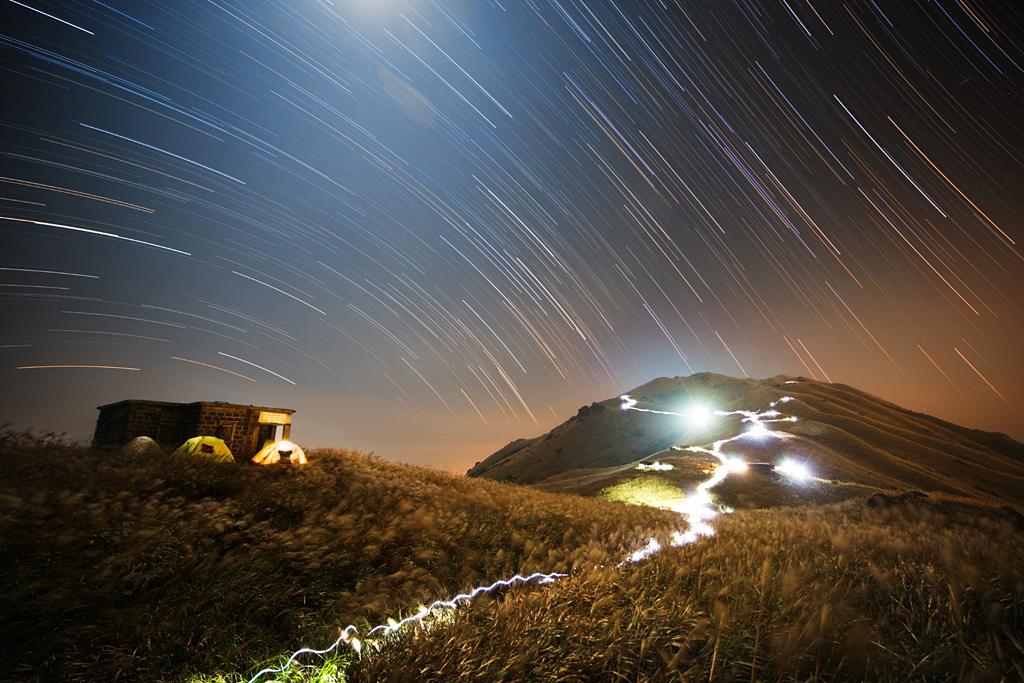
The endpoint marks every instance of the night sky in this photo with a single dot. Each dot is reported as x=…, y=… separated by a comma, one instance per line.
x=431, y=227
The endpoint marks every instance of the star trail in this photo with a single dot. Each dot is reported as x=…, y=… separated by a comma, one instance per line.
x=431, y=227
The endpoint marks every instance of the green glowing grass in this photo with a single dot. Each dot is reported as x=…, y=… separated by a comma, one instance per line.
x=649, y=490
x=331, y=669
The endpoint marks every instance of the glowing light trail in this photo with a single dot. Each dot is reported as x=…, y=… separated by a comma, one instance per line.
x=349, y=635
x=697, y=509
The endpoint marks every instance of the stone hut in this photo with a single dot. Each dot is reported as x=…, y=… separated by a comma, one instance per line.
x=244, y=428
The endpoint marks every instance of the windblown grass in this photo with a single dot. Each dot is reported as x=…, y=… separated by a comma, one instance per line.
x=924, y=591
x=126, y=568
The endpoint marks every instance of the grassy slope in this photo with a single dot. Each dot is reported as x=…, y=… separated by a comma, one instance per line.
x=839, y=592
x=129, y=568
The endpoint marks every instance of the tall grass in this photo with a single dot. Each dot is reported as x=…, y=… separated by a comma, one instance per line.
x=125, y=568
x=922, y=591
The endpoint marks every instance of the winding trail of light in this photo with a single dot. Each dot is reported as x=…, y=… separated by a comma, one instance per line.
x=697, y=509
x=349, y=635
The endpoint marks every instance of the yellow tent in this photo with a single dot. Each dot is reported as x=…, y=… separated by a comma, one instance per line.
x=273, y=453
x=206, y=447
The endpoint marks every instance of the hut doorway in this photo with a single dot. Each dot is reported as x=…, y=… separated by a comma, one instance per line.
x=266, y=433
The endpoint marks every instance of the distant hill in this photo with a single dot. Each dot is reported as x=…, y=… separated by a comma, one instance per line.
x=842, y=433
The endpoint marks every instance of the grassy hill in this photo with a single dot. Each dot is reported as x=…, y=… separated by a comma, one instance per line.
x=836, y=592
x=139, y=568
x=844, y=434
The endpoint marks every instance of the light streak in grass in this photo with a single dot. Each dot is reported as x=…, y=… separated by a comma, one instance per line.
x=697, y=509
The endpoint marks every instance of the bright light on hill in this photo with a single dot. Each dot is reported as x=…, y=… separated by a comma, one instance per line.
x=658, y=466
x=793, y=470
x=735, y=465
x=757, y=431
x=699, y=415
